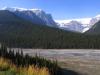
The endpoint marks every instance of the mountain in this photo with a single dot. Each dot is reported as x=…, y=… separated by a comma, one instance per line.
x=94, y=30
x=73, y=26
x=9, y=22
x=78, y=25
x=95, y=20
x=37, y=16
x=7, y=17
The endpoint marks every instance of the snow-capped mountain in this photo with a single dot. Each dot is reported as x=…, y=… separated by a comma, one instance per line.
x=78, y=25
x=73, y=26
x=36, y=16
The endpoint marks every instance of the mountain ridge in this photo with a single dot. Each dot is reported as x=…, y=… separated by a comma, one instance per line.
x=38, y=16
x=85, y=23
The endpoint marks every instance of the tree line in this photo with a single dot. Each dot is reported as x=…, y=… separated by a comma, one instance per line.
x=24, y=35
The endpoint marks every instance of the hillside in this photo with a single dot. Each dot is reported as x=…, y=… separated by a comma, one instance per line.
x=95, y=30
x=36, y=16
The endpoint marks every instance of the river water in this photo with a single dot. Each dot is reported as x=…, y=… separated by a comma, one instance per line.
x=61, y=54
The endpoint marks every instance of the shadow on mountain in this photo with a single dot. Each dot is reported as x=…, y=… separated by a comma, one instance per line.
x=69, y=72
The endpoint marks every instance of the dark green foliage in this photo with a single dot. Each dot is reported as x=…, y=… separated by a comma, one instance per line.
x=47, y=38
x=19, y=59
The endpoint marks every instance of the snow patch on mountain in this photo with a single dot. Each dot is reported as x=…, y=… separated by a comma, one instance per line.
x=79, y=25
x=37, y=16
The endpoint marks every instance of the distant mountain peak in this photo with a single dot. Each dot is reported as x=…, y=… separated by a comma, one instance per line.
x=37, y=16
x=81, y=25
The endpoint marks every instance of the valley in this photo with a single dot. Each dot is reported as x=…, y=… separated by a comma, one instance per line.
x=41, y=40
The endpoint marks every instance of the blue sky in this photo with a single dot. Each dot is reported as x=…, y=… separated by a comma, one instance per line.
x=60, y=9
